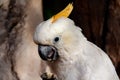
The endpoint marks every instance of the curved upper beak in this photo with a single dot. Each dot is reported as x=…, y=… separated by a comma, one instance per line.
x=48, y=53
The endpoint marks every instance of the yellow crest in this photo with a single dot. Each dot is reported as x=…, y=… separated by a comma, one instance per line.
x=64, y=13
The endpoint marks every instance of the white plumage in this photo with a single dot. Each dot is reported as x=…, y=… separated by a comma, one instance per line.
x=79, y=59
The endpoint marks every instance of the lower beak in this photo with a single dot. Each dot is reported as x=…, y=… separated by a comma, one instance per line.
x=48, y=53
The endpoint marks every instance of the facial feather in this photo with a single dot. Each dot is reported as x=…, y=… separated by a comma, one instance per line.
x=46, y=31
x=64, y=28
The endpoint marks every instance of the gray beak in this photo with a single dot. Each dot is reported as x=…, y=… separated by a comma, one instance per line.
x=48, y=53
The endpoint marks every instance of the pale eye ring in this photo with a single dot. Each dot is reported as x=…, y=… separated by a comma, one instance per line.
x=56, y=39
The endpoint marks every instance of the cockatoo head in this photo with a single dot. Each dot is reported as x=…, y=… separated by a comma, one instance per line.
x=56, y=39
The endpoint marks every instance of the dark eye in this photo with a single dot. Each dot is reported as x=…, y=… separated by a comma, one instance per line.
x=56, y=39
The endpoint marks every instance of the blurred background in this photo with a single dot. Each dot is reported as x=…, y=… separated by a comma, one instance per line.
x=98, y=19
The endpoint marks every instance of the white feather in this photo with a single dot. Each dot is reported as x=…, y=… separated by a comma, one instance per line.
x=79, y=58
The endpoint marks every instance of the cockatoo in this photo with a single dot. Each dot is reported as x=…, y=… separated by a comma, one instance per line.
x=69, y=54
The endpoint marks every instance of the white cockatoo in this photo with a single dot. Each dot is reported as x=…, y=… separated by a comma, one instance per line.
x=69, y=54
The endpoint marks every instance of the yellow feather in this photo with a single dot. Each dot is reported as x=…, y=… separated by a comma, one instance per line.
x=64, y=13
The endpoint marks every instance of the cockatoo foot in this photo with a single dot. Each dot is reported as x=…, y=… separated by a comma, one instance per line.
x=48, y=76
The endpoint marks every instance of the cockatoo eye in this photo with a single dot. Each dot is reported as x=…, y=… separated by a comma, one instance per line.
x=56, y=39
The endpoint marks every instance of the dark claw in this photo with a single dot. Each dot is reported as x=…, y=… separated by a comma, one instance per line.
x=45, y=76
